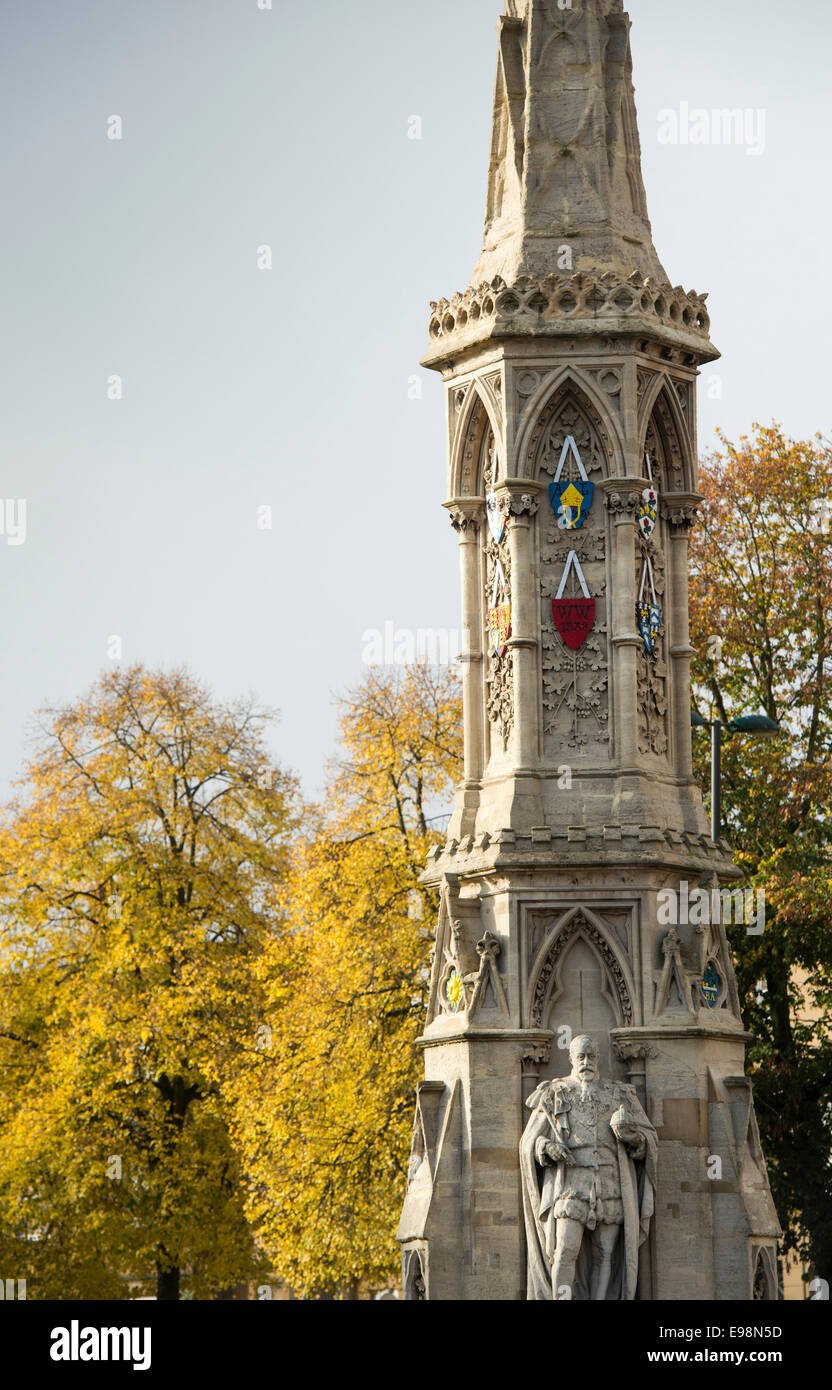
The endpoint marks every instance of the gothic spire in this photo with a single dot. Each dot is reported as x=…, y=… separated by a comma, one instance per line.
x=565, y=166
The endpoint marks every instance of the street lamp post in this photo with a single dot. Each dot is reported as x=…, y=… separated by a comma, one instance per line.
x=756, y=726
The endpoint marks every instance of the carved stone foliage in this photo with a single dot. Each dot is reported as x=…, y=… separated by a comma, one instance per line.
x=653, y=704
x=537, y=1055
x=575, y=684
x=580, y=925
x=500, y=673
x=683, y=519
x=566, y=414
x=627, y=1051
x=489, y=460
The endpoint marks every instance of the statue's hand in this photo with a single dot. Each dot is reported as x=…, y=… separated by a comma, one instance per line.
x=632, y=1137
x=550, y=1151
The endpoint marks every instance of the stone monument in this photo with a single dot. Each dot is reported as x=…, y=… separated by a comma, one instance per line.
x=566, y=950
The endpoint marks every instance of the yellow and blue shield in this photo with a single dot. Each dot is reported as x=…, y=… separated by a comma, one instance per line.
x=649, y=624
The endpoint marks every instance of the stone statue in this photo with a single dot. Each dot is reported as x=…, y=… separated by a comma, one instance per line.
x=588, y=1162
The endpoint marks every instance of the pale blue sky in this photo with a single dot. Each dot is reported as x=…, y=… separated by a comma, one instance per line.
x=242, y=387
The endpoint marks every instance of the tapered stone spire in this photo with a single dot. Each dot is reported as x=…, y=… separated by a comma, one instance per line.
x=565, y=157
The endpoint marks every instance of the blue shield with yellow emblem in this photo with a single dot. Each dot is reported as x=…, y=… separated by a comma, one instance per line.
x=572, y=503
x=571, y=499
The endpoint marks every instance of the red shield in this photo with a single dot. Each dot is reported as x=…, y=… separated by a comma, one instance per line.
x=574, y=619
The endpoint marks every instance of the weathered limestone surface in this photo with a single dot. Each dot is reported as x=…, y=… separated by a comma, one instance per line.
x=578, y=807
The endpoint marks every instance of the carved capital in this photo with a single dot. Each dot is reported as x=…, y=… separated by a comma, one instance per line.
x=536, y=1055
x=634, y=1051
x=465, y=521
x=623, y=505
x=513, y=504
x=683, y=519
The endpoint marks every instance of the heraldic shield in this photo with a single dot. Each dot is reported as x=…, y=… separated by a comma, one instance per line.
x=648, y=512
x=496, y=520
x=572, y=501
x=649, y=614
x=649, y=622
x=499, y=628
x=574, y=617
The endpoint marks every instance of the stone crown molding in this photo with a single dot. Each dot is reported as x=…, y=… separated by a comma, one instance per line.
x=570, y=305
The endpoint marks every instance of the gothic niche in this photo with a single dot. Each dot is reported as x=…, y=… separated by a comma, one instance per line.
x=415, y=1273
x=764, y=1285
x=653, y=705
x=664, y=450
x=578, y=982
x=575, y=683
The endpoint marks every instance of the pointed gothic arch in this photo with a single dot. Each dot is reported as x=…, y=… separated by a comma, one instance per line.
x=476, y=417
x=580, y=923
x=663, y=421
x=570, y=389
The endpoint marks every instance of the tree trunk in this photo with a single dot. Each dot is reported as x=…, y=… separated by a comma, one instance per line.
x=167, y=1284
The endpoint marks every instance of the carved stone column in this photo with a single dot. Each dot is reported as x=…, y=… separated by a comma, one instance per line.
x=622, y=503
x=682, y=514
x=465, y=519
x=521, y=504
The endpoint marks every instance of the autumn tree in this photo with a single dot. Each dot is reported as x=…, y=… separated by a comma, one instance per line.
x=762, y=627
x=326, y=1112
x=142, y=867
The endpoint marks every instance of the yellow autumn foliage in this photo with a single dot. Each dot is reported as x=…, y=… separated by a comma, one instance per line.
x=324, y=1115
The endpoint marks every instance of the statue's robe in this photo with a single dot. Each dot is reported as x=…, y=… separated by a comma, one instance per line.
x=552, y=1106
